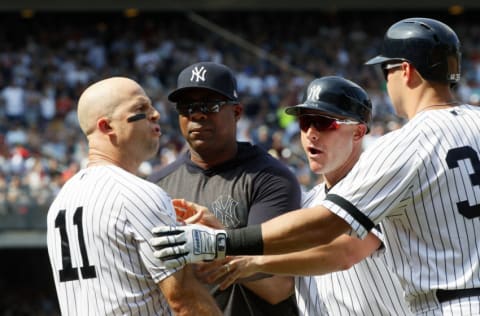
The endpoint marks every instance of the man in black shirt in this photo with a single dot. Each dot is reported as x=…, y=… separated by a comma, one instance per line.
x=240, y=182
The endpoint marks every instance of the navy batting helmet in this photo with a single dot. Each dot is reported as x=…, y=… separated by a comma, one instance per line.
x=431, y=46
x=336, y=96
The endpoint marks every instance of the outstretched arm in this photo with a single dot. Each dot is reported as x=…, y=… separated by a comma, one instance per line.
x=293, y=231
x=341, y=254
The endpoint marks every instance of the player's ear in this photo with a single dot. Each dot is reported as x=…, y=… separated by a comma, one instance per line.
x=359, y=131
x=103, y=125
x=237, y=110
x=411, y=75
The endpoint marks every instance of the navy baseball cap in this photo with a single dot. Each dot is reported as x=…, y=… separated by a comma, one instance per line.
x=206, y=75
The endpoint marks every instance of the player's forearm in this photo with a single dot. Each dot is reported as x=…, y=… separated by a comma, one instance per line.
x=341, y=254
x=313, y=261
x=186, y=296
x=204, y=304
x=293, y=231
x=194, y=304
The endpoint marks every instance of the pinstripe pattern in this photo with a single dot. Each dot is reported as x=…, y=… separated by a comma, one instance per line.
x=119, y=210
x=415, y=179
x=308, y=300
x=368, y=288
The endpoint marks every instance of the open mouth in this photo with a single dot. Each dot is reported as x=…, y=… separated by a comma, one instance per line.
x=157, y=130
x=314, y=151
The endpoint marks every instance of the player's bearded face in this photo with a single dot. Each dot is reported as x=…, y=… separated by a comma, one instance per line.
x=139, y=132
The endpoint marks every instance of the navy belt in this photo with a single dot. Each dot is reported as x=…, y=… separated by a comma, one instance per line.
x=448, y=295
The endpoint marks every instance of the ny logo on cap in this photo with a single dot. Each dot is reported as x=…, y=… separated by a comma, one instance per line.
x=313, y=93
x=198, y=74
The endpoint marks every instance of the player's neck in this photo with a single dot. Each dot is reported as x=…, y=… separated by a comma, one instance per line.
x=207, y=159
x=102, y=159
x=435, y=97
x=334, y=177
x=437, y=106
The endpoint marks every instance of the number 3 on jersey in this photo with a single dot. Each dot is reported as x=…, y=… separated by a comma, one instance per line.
x=453, y=157
x=68, y=272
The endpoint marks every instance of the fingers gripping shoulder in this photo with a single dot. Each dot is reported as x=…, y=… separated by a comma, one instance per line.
x=180, y=245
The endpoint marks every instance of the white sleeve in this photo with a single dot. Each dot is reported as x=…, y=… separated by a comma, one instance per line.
x=152, y=209
x=377, y=231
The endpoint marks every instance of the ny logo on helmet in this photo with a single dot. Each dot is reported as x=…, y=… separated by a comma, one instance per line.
x=313, y=93
x=198, y=74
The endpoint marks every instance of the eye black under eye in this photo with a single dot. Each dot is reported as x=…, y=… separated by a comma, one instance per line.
x=136, y=117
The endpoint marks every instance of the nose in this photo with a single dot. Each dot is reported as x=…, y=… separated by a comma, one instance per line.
x=197, y=115
x=155, y=116
x=311, y=133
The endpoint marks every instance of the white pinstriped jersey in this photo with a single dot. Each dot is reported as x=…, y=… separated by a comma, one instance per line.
x=98, y=230
x=367, y=288
x=423, y=181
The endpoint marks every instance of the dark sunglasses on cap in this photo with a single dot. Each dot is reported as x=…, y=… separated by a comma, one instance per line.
x=387, y=67
x=321, y=122
x=205, y=107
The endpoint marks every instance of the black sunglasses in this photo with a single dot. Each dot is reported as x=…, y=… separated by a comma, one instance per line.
x=322, y=123
x=205, y=107
x=387, y=67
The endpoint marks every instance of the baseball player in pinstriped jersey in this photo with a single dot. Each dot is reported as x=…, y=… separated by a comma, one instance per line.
x=99, y=224
x=367, y=288
x=421, y=181
x=333, y=120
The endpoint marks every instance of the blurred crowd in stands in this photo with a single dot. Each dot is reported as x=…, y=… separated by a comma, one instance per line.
x=46, y=62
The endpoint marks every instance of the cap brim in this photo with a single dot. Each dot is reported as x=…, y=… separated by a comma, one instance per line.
x=176, y=95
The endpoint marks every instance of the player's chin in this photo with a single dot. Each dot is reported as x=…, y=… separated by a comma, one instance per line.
x=153, y=148
x=202, y=142
x=201, y=136
x=316, y=166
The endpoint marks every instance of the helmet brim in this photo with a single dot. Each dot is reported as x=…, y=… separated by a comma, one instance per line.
x=299, y=109
x=378, y=60
x=320, y=107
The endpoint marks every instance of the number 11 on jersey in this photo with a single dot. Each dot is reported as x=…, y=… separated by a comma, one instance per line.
x=68, y=272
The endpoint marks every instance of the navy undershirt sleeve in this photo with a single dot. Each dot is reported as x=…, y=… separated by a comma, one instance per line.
x=276, y=192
